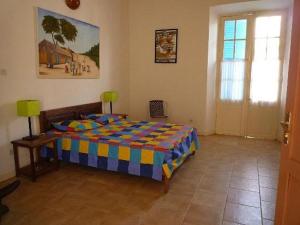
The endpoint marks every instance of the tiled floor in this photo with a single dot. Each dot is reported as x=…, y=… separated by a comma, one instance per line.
x=230, y=181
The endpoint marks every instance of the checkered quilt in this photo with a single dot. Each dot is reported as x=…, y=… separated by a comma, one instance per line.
x=140, y=148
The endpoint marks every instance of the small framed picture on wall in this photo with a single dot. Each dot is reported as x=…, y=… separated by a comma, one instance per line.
x=166, y=46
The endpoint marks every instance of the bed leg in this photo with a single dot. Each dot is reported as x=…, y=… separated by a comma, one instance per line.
x=166, y=184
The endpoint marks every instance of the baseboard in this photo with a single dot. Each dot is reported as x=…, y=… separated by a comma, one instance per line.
x=206, y=133
x=6, y=176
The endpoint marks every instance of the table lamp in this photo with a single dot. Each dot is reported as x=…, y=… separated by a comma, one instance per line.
x=28, y=108
x=110, y=96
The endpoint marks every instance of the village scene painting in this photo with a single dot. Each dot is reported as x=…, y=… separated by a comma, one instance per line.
x=67, y=48
x=166, y=46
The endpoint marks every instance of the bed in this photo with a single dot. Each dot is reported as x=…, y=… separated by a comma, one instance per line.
x=142, y=148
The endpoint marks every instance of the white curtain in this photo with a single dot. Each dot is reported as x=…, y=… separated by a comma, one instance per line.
x=265, y=81
x=232, y=80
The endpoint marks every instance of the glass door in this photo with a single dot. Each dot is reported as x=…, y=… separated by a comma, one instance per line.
x=232, y=68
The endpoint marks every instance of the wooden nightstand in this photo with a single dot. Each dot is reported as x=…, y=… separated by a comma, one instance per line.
x=41, y=165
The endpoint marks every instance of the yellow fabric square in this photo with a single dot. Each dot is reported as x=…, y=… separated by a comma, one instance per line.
x=66, y=144
x=163, y=137
x=153, y=143
x=163, y=129
x=126, y=136
x=84, y=147
x=124, y=153
x=146, y=139
x=170, y=132
x=136, y=143
x=103, y=150
x=147, y=157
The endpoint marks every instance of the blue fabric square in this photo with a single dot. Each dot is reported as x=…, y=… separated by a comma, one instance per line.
x=74, y=157
x=83, y=159
x=59, y=143
x=123, y=166
x=113, y=151
x=135, y=155
x=146, y=170
x=93, y=148
x=158, y=158
x=134, y=169
x=112, y=164
x=157, y=173
x=92, y=160
x=102, y=162
x=75, y=145
x=66, y=156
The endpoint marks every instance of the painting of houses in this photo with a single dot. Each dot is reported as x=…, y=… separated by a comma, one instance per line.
x=67, y=48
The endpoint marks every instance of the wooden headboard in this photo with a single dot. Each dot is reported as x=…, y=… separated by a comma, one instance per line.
x=67, y=113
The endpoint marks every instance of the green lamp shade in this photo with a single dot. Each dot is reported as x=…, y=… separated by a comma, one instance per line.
x=28, y=108
x=110, y=96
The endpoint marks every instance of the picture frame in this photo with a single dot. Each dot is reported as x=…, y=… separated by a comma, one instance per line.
x=166, y=45
x=66, y=47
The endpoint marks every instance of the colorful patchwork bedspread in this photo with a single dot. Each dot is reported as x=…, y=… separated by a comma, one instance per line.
x=140, y=148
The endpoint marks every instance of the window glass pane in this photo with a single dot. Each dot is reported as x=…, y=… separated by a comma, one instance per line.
x=240, y=49
x=261, y=27
x=228, y=49
x=268, y=26
x=265, y=81
x=232, y=80
x=273, y=48
x=260, y=51
x=241, y=29
x=229, y=29
x=274, y=26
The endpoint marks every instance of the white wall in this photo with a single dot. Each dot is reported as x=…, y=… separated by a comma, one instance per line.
x=188, y=86
x=18, y=58
x=183, y=85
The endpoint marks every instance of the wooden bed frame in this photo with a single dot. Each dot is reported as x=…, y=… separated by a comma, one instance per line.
x=67, y=113
x=48, y=117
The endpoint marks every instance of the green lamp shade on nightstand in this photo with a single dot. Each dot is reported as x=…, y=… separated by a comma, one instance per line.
x=28, y=108
x=110, y=96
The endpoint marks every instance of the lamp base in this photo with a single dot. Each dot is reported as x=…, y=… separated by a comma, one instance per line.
x=30, y=138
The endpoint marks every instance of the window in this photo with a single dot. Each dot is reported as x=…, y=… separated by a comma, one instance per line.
x=233, y=61
x=265, y=72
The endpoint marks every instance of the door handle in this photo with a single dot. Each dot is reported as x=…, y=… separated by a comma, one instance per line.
x=286, y=125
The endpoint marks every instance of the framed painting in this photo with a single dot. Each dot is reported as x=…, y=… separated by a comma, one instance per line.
x=67, y=48
x=166, y=46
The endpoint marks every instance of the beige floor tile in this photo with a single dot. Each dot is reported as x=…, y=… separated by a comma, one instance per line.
x=244, y=184
x=268, y=194
x=242, y=214
x=229, y=223
x=242, y=197
x=268, y=222
x=268, y=182
x=203, y=215
x=268, y=172
x=209, y=198
x=268, y=210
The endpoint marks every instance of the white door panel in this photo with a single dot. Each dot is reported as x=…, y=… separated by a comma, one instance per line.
x=229, y=118
x=262, y=121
